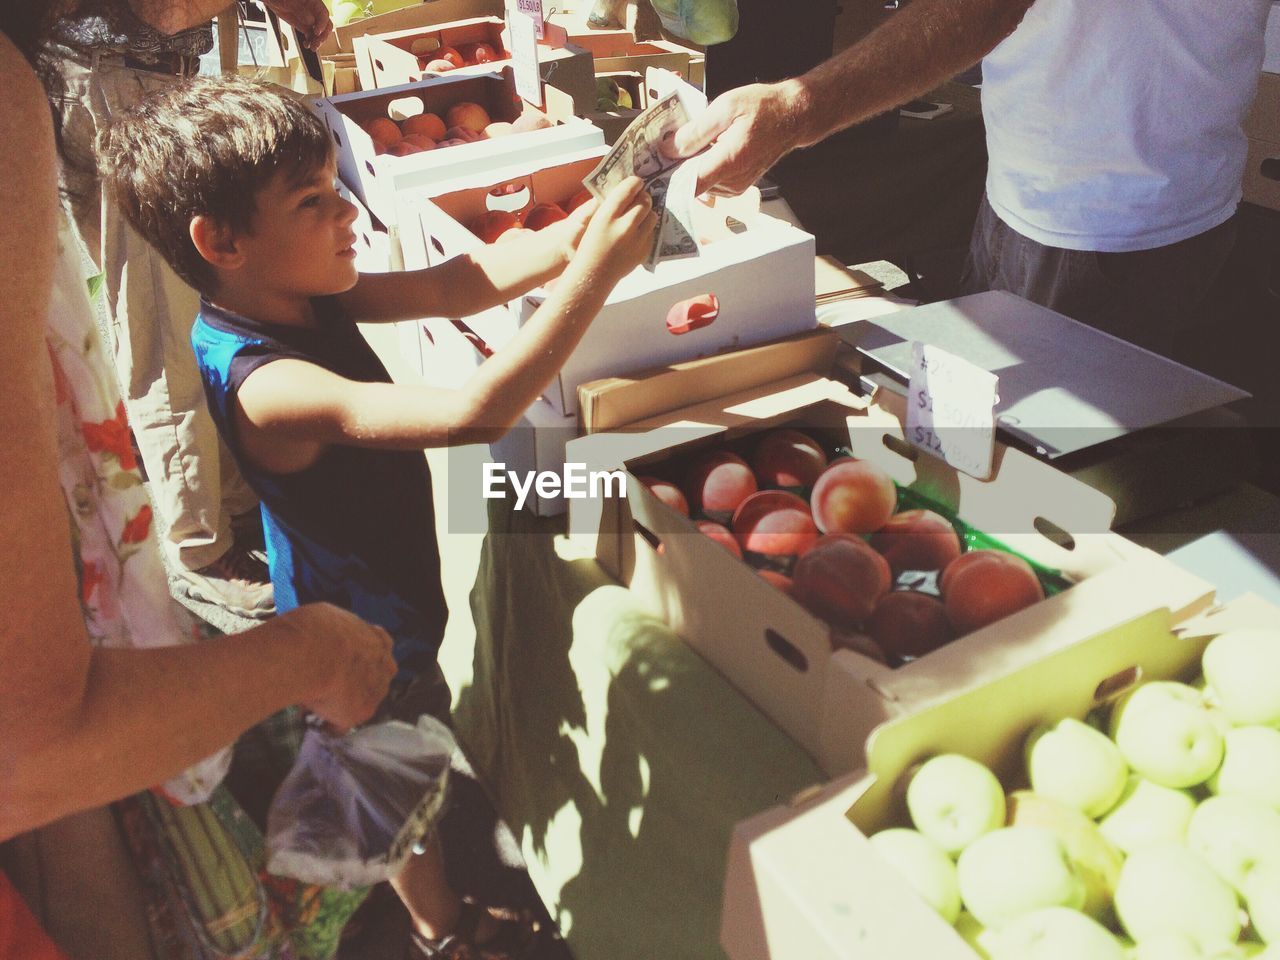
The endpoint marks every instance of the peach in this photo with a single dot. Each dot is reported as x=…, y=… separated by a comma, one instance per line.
x=853, y=496
x=779, y=580
x=420, y=140
x=543, y=215
x=383, y=131
x=492, y=224
x=691, y=314
x=438, y=66
x=577, y=200
x=917, y=540
x=984, y=586
x=530, y=120
x=452, y=142
x=788, y=458
x=841, y=579
x=499, y=128
x=426, y=124
x=906, y=623
x=717, y=483
x=774, y=523
x=858, y=642
x=470, y=115
x=452, y=56
x=721, y=535
x=483, y=53
x=403, y=148
x=668, y=493
x=465, y=134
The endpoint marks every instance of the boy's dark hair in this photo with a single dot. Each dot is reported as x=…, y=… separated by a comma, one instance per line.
x=206, y=147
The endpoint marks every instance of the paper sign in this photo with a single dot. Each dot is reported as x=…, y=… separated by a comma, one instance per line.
x=533, y=10
x=951, y=409
x=524, y=56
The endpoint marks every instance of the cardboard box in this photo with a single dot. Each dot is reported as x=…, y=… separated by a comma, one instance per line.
x=381, y=181
x=802, y=880
x=1263, y=122
x=423, y=14
x=448, y=357
x=777, y=653
x=396, y=58
x=1262, y=174
x=614, y=122
x=615, y=50
x=376, y=250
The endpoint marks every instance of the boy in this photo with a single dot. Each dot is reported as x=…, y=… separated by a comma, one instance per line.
x=235, y=183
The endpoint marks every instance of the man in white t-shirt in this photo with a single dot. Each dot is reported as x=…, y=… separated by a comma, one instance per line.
x=1114, y=132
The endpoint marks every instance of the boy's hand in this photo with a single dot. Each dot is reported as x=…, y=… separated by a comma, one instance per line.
x=568, y=232
x=620, y=232
x=357, y=662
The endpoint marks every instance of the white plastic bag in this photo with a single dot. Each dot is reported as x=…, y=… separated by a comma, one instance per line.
x=352, y=808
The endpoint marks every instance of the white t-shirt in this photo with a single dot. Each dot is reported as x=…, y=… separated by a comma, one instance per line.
x=1117, y=125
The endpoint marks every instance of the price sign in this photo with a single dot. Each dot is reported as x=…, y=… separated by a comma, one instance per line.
x=524, y=55
x=533, y=10
x=951, y=409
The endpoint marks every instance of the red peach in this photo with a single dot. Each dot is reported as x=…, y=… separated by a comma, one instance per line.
x=483, y=53
x=465, y=134
x=438, y=66
x=420, y=140
x=841, y=579
x=779, y=580
x=470, y=115
x=543, y=215
x=693, y=314
x=788, y=458
x=451, y=143
x=403, y=148
x=383, y=131
x=668, y=493
x=720, y=535
x=917, y=540
x=717, y=483
x=853, y=496
x=492, y=224
x=451, y=55
x=906, y=623
x=984, y=586
x=858, y=642
x=775, y=523
x=427, y=124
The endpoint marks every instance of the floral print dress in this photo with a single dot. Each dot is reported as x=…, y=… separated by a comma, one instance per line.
x=200, y=857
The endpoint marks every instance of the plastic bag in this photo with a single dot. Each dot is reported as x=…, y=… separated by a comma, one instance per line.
x=352, y=808
x=703, y=21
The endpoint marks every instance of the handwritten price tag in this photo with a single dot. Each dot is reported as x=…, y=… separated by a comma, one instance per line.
x=951, y=409
x=533, y=10
x=524, y=56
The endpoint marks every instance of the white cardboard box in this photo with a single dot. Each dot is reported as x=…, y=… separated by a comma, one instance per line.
x=1262, y=174
x=780, y=655
x=802, y=880
x=537, y=443
x=384, y=182
x=376, y=250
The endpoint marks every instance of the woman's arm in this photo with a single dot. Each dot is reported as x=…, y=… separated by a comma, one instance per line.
x=80, y=726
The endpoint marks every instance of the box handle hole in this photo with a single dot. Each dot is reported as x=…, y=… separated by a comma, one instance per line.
x=369, y=166
x=336, y=139
x=1054, y=533
x=438, y=245
x=1117, y=684
x=787, y=650
x=648, y=535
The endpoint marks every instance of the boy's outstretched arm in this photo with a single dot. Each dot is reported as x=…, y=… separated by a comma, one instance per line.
x=470, y=282
x=290, y=410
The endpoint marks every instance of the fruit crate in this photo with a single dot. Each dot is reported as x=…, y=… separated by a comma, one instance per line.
x=384, y=183
x=804, y=879
x=405, y=56
x=779, y=654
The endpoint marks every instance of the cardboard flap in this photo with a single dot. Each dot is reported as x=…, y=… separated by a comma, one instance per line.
x=382, y=64
x=661, y=82
x=990, y=723
x=616, y=401
x=1249, y=610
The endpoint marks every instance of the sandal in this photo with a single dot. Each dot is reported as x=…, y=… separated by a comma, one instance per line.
x=514, y=938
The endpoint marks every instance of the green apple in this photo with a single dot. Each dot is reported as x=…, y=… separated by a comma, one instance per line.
x=344, y=11
x=1262, y=896
x=1052, y=933
x=1165, y=888
x=1013, y=870
x=1243, y=668
x=1093, y=858
x=1167, y=946
x=953, y=800
x=1235, y=835
x=1165, y=733
x=1148, y=813
x=971, y=931
x=1076, y=765
x=1250, y=765
x=925, y=865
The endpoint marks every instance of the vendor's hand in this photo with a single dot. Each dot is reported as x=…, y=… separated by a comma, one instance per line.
x=747, y=129
x=356, y=661
x=309, y=17
x=620, y=232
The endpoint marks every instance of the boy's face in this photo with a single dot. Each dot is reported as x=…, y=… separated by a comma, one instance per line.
x=301, y=243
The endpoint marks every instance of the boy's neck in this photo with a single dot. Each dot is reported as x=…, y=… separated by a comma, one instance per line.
x=265, y=306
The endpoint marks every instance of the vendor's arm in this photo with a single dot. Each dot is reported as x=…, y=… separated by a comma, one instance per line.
x=289, y=410
x=310, y=17
x=470, y=282
x=79, y=725
x=918, y=48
